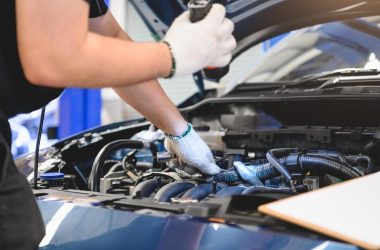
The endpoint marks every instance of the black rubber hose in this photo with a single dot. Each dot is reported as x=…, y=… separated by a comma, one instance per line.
x=306, y=163
x=272, y=156
x=128, y=162
x=154, y=151
x=326, y=165
x=101, y=157
x=332, y=154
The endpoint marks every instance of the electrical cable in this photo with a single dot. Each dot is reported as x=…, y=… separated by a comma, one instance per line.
x=271, y=157
x=357, y=159
x=37, y=152
x=101, y=157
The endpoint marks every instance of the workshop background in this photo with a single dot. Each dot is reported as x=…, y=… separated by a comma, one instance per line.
x=80, y=109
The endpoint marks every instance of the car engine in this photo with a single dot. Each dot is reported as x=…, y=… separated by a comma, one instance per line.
x=142, y=169
x=263, y=157
x=282, y=171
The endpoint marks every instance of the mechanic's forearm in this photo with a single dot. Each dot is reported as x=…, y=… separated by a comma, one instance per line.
x=123, y=62
x=149, y=99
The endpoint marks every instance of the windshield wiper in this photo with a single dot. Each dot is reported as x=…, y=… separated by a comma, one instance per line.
x=315, y=81
x=334, y=76
x=329, y=79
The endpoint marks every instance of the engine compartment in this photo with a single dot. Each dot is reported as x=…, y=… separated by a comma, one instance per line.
x=142, y=169
x=125, y=165
x=281, y=171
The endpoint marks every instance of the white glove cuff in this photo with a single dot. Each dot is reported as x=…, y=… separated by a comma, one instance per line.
x=192, y=150
x=177, y=138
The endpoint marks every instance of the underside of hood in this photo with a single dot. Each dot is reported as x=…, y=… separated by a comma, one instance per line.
x=259, y=20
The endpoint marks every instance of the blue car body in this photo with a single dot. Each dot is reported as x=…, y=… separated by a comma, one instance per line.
x=99, y=228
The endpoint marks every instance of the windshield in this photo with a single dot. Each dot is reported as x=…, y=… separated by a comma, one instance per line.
x=321, y=48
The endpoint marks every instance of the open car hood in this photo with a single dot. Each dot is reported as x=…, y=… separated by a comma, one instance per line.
x=259, y=20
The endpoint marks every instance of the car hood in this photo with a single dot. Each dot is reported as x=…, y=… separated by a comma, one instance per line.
x=258, y=20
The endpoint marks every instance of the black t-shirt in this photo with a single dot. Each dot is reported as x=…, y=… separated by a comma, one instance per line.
x=17, y=95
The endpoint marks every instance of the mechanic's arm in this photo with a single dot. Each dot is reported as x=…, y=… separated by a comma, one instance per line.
x=147, y=98
x=151, y=101
x=56, y=48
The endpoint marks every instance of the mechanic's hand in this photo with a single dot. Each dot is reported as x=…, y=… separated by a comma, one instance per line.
x=193, y=151
x=208, y=42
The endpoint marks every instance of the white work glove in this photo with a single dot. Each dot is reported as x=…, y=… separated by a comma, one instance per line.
x=208, y=42
x=193, y=151
x=149, y=135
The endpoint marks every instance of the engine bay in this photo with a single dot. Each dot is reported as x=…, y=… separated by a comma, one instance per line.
x=126, y=166
x=141, y=169
x=280, y=171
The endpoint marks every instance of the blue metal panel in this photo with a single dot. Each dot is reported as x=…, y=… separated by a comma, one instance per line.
x=79, y=109
x=99, y=228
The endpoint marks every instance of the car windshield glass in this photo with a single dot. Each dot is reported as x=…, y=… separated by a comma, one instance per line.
x=321, y=48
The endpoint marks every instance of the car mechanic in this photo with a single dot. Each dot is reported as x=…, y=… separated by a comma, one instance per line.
x=47, y=45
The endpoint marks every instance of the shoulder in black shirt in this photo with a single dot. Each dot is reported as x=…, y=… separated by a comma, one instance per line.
x=97, y=8
x=17, y=95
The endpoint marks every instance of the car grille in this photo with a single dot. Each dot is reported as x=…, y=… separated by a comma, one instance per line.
x=371, y=90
